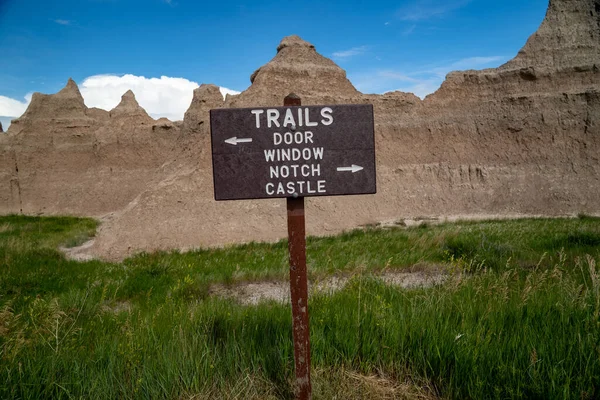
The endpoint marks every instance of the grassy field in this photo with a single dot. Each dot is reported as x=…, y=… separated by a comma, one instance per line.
x=517, y=317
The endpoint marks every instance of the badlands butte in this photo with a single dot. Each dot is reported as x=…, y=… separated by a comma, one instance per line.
x=522, y=139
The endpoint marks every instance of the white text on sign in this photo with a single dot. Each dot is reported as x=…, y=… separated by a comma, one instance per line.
x=298, y=119
x=296, y=178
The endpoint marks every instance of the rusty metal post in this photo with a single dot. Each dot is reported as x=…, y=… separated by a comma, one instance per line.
x=299, y=285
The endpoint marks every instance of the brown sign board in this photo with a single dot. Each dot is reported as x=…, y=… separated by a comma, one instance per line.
x=278, y=152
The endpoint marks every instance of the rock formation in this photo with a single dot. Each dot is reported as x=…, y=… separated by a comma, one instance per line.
x=522, y=139
x=65, y=111
x=129, y=109
x=569, y=38
x=1, y=130
x=163, y=124
x=206, y=97
x=61, y=157
x=297, y=68
x=67, y=104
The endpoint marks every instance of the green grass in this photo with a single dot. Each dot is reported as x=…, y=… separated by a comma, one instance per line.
x=518, y=317
x=490, y=242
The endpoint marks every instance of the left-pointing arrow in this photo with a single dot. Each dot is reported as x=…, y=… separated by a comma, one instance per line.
x=235, y=140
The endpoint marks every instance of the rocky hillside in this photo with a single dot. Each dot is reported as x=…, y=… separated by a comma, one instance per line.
x=522, y=139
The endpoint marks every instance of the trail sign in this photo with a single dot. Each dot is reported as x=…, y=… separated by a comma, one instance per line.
x=300, y=151
x=294, y=152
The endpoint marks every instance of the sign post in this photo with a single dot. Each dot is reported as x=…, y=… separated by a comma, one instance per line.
x=292, y=152
x=299, y=285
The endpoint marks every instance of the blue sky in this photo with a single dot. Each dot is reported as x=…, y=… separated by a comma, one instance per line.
x=108, y=46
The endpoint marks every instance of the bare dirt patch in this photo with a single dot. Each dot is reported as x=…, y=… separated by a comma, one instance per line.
x=250, y=293
x=79, y=253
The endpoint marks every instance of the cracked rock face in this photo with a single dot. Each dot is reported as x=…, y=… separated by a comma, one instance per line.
x=521, y=139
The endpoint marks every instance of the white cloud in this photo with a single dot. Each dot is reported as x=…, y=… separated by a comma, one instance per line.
x=420, y=10
x=462, y=65
x=62, y=21
x=421, y=81
x=383, y=81
x=355, y=51
x=13, y=108
x=170, y=97
x=160, y=97
x=474, y=62
x=5, y=121
x=225, y=91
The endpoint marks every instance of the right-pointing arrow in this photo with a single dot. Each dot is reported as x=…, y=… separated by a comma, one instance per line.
x=353, y=168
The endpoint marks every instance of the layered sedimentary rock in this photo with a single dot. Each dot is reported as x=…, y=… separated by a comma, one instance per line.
x=130, y=110
x=205, y=98
x=62, y=157
x=569, y=38
x=297, y=68
x=521, y=139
